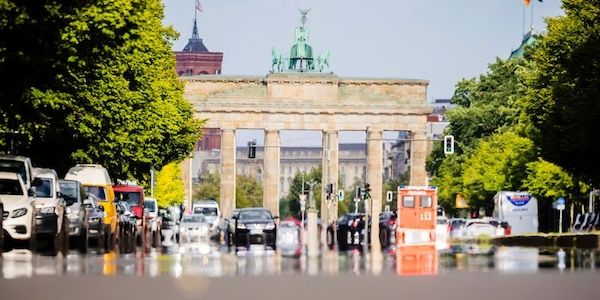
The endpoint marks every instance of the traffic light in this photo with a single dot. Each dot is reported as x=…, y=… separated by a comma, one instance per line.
x=449, y=144
x=367, y=191
x=329, y=189
x=252, y=149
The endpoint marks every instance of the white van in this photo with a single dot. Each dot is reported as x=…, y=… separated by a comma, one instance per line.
x=518, y=209
x=211, y=212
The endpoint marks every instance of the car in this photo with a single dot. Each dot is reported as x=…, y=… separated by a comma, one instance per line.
x=387, y=228
x=50, y=219
x=457, y=226
x=127, y=227
x=134, y=196
x=171, y=220
x=20, y=165
x=96, y=180
x=77, y=216
x=210, y=210
x=255, y=226
x=193, y=227
x=442, y=229
x=350, y=230
x=475, y=228
x=289, y=241
x=155, y=220
x=96, y=224
x=18, y=211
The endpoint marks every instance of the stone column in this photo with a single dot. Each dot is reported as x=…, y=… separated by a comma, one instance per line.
x=330, y=175
x=228, y=172
x=374, y=178
x=271, y=174
x=418, y=156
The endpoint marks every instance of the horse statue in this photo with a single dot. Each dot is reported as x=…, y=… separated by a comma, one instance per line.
x=323, y=60
x=277, y=60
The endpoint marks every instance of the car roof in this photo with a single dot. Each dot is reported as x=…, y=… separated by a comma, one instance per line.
x=127, y=188
x=9, y=175
x=14, y=157
x=45, y=173
x=89, y=174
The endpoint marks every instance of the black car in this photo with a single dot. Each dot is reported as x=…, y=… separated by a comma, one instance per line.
x=255, y=226
x=95, y=214
x=74, y=194
x=350, y=232
x=387, y=228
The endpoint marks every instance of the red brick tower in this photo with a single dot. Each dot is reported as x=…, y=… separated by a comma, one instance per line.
x=195, y=59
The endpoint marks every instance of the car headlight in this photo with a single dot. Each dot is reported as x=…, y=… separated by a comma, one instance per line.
x=241, y=226
x=19, y=212
x=270, y=226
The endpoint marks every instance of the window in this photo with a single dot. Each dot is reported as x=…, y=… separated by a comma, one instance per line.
x=69, y=192
x=44, y=188
x=425, y=201
x=408, y=201
x=97, y=191
x=207, y=211
x=133, y=198
x=10, y=187
x=13, y=166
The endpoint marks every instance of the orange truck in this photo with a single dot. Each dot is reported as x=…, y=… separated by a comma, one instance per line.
x=415, y=235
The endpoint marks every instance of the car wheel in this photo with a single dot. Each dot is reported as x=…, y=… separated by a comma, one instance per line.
x=83, y=240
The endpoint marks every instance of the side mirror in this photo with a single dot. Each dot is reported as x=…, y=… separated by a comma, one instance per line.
x=59, y=194
x=234, y=217
x=101, y=208
x=31, y=191
x=275, y=217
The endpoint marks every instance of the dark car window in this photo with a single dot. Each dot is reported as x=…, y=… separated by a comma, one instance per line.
x=97, y=191
x=132, y=198
x=44, y=188
x=207, y=211
x=10, y=187
x=69, y=192
x=149, y=205
x=457, y=223
x=14, y=166
x=255, y=214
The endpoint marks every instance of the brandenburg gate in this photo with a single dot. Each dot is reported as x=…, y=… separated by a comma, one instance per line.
x=304, y=97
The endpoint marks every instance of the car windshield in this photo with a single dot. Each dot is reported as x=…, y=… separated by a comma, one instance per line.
x=255, y=214
x=207, y=211
x=97, y=191
x=150, y=205
x=13, y=166
x=44, y=188
x=132, y=198
x=10, y=187
x=69, y=192
x=457, y=223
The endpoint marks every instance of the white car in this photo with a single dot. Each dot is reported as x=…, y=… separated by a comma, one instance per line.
x=475, y=228
x=211, y=212
x=18, y=164
x=50, y=215
x=19, y=210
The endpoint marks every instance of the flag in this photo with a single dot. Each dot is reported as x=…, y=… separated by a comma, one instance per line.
x=527, y=2
x=198, y=5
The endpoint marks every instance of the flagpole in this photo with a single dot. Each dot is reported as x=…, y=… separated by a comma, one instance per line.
x=523, y=26
x=532, y=5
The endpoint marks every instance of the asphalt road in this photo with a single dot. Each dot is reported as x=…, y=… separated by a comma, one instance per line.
x=579, y=285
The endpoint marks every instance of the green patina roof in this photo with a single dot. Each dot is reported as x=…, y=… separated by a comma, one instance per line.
x=528, y=39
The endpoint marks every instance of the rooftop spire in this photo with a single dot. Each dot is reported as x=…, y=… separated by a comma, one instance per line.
x=195, y=34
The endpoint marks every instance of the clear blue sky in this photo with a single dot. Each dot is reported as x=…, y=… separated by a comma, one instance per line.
x=441, y=41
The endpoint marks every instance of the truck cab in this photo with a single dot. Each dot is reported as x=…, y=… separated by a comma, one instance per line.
x=417, y=214
x=134, y=196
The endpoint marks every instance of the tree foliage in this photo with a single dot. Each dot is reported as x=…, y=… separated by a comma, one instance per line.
x=248, y=190
x=170, y=188
x=209, y=187
x=93, y=82
x=564, y=84
x=548, y=181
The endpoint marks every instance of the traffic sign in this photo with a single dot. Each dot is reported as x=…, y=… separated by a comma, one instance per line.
x=340, y=195
x=560, y=201
x=560, y=207
x=390, y=196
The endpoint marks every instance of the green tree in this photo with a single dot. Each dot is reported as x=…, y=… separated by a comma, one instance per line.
x=564, y=83
x=169, y=189
x=248, y=192
x=93, y=82
x=548, y=181
x=498, y=163
x=292, y=198
x=209, y=187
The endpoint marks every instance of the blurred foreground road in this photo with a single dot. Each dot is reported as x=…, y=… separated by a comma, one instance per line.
x=578, y=285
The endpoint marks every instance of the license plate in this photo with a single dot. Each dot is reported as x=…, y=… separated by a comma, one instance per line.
x=256, y=231
x=47, y=210
x=93, y=231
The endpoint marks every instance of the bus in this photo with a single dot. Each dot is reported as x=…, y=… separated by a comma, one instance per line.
x=518, y=209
